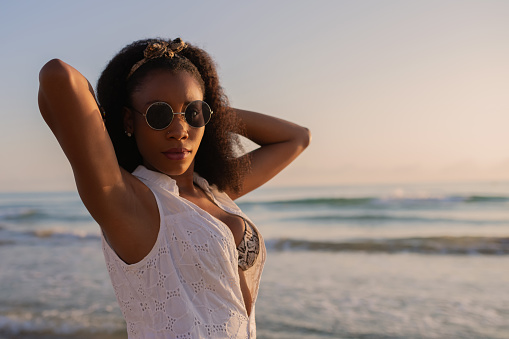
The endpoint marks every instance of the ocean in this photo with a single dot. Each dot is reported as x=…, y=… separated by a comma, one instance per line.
x=351, y=261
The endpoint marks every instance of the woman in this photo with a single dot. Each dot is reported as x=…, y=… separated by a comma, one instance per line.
x=155, y=164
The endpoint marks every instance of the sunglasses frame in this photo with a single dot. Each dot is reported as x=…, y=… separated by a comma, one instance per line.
x=173, y=113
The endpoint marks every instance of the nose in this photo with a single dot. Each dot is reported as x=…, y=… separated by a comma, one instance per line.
x=178, y=129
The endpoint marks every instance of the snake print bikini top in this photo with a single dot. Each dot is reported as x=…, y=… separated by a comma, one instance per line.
x=249, y=247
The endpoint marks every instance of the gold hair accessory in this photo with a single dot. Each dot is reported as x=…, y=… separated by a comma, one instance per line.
x=159, y=49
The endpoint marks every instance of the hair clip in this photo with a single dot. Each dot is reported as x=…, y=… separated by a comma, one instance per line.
x=159, y=49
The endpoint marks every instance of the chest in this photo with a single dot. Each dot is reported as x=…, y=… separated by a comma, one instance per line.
x=235, y=223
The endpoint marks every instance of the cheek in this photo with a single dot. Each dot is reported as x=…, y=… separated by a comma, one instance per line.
x=139, y=123
x=146, y=139
x=198, y=136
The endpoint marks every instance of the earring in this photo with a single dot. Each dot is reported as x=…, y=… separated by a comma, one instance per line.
x=128, y=134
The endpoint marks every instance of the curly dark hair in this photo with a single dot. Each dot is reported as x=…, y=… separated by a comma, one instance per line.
x=216, y=159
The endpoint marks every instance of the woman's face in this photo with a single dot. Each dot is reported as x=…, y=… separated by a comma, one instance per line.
x=173, y=149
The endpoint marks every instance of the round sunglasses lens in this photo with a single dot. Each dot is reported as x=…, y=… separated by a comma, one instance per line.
x=159, y=115
x=198, y=113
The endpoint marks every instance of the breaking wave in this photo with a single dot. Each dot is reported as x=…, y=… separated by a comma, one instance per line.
x=366, y=201
x=424, y=245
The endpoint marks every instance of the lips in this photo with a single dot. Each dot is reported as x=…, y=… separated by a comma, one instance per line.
x=177, y=153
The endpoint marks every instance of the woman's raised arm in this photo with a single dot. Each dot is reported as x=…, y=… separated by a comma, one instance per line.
x=115, y=199
x=68, y=106
x=280, y=143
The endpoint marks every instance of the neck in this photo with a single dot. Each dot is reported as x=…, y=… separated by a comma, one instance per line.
x=185, y=182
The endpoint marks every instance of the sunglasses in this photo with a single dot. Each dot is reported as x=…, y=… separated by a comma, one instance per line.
x=159, y=115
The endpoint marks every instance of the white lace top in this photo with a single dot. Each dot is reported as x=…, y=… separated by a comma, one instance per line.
x=188, y=285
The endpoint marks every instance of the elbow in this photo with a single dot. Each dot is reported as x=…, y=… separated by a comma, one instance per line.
x=305, y=137
x=54, y=76
x=53, y=73
x=49, y=69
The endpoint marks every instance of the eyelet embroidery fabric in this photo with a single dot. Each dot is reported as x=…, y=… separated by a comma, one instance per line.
x=188, y=285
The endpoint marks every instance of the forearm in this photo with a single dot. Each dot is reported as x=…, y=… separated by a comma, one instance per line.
x=265, y=130
x=281, y=142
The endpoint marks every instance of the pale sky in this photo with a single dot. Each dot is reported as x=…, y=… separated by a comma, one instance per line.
x=393, y=91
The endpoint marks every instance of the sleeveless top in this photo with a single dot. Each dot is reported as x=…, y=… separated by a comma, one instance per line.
x=188, y=285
